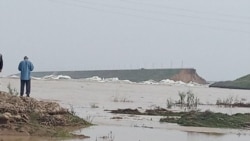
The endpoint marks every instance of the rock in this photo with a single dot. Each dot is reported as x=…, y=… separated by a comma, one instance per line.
x=3, y=119
x=25, y=118
x=7, y=115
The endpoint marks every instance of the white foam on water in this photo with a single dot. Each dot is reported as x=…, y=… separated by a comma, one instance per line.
x=56, y=77
x=150, y=82
x=13, y=76
x=94, y=78
x=117, y=80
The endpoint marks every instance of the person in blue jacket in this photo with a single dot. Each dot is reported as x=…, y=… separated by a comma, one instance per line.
x=25, y=67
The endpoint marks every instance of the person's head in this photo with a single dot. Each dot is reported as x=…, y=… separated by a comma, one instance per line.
x=25, y=58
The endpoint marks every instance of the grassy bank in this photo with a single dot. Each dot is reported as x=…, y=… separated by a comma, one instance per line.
x=195, y=118
x=240, y=83
x=210, y=119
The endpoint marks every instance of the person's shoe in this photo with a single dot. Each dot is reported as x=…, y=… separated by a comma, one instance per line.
x=28, y=95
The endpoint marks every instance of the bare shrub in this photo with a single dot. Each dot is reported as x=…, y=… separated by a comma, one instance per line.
x=186, y=100
x=121, y=99
x=94, y=105
x=170, y=103
x=182, y=96
x=12, y=91
x=109, y=137
x=89, y=118
x=232, y=102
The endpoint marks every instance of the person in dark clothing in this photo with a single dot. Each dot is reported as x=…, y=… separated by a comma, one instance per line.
x=25, y=67
x=1, y=62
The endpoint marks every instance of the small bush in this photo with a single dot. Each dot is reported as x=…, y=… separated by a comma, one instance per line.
x=89, y=118
x=109, y=137
x=12, y=91
x=170, y=103
x=182, y=96
x=232, y=102
x=186, y=100
x=94, y=105
x=121, y=99
x=72, y=110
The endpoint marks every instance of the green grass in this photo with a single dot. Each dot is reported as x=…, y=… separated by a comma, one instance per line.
x=240, y=83
x=195, y=118
x=210, y=119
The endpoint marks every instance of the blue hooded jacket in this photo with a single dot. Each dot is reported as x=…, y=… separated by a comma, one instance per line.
x=25, y=67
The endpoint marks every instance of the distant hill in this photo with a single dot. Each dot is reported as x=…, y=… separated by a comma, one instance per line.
x=240, y=83
x=135, y=75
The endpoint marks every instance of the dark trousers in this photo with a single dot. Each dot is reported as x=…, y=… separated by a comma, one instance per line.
x=27, y=84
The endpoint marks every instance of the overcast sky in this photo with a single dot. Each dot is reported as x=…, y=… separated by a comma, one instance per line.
x=212, y=36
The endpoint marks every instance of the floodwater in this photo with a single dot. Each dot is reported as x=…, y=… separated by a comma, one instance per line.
x=91, y=99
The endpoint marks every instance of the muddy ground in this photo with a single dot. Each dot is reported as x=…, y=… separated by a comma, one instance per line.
x=30, y=117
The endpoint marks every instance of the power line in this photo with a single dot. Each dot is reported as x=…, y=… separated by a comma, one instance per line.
x=90, y=6
x=161, y=13
x=186, y=10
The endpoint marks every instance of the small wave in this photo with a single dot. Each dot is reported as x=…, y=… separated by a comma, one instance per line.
x=115, y=79
x=13, y=76
x=56, y=77
x=152, y=82
x=94, y=78
x=127, y=81
x=45, y=77
x=111, y=79
x=36, y=78
x=167, y=81
x=172, y=82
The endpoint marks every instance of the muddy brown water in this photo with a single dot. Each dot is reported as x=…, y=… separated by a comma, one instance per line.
x=90, y=99
x=114, y=133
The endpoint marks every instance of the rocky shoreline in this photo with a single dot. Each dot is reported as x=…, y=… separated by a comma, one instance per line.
x=30, y=117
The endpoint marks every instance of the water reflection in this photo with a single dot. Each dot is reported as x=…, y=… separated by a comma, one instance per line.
x=121, y=133
x=104, y=133
x=192, y=136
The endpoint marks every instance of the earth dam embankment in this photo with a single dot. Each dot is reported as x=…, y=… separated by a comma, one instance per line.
x=135, y=75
